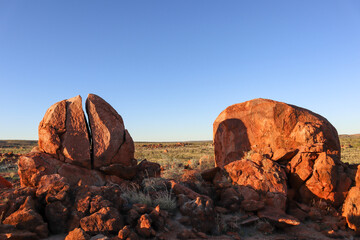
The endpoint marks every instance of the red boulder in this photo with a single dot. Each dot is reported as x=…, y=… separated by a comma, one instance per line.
x=266, y=126
x=63, y=132
x=111, y=142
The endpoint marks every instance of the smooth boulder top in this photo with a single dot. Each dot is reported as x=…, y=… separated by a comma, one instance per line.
x=267, y=126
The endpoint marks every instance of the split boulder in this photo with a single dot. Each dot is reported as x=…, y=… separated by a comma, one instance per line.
x=63, y=133
x=111, y=142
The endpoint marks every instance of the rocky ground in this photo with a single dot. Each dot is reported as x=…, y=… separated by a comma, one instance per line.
x=278, y=175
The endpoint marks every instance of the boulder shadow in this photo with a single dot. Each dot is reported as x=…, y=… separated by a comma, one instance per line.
x=231, y=141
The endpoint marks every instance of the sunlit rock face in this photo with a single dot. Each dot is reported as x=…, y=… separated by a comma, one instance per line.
x=111, y=142
x=78, y=150
x=272, y=128
x=303, y=143
x=63, y=133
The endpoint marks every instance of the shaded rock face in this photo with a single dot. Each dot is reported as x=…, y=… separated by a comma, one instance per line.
x=281, y=137
x=268, y=126
x=27, y=218
x=351, y=207
x=201, y=213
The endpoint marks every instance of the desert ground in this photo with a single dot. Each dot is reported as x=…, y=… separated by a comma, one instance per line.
x=174, y=157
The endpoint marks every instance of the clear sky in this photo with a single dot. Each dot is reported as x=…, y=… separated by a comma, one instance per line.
x=170, y=67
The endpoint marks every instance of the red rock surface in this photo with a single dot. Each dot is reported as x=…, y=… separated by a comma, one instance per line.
x=298, y=139
x=63, y=132
x=77, y=234
x=27, y=218
x=107, y=219
x=328, y=180
x=51, y=128
x=201, y=213
x=111, y=143
x=144, y=227
x=127, y=234
x=267, y=178
x=5, y=183
x=279, y=218
x=33, y=166
x=266, y=126
x=351, y=207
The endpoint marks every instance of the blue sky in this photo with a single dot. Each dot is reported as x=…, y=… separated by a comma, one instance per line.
x=170, y=67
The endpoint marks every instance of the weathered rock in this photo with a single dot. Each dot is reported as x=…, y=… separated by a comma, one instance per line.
x=28, y=218
x=186, y=234
x=201, y=212
x=77, y=234
x=81, y=176
x=4, y=183
x=111, y=143
x=105, y=220
x=132, y=217
x=265, y=227
x=248, y=193
x=51, y=128
x=146, y=169
x=278, y=218
x=267, y=179
x=351, y=208
x=53, y=188
x=33, y=166
x=229, y=197
x=98, y=202
x=181, y=189
x=57, y=215
x=252, y=205
x=127, y=234
x=158, y=218
x=144, y=228
x=357, y=177
x=12, y=199
x=301, y=167
x=262, y=125
x=328, y=181
x=125, y=155
x=282, y=154
x=295, y=210
x=120, y=170
x=249, y=220
x=63, y=133
x=18, y=235
x=209, y=174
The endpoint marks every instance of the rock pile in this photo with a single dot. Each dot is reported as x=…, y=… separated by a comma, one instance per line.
x=278, y=172
x=91, y=154
x=282, y=138
x=284, y=156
